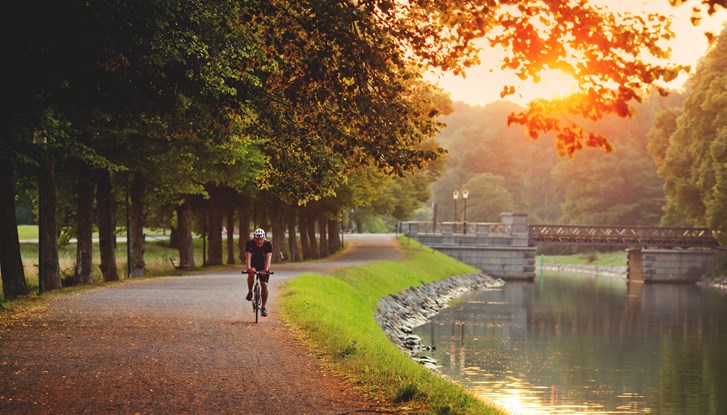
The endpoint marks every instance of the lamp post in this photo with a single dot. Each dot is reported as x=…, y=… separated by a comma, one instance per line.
x=465, y=194
x=455, y=196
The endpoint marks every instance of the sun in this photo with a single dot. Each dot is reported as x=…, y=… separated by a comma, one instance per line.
x=553, y=84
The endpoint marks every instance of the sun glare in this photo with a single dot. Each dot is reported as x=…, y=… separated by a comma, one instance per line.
x=553, y=84
x=484, y=82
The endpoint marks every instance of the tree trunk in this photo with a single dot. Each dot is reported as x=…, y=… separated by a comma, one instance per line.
x=359, y=225
x=136, y=226
x=84, y=224
x=323, y=231
x=278, y=230
x=106, y=225
x=230, y=216
x=184, y=235
x=292, y=240
x=49, y=225
x=244, y=217
x=214, y=247
x=174, y=233
x=311, y=217
x=334, y=237
x=11, y=263
x=303, y=230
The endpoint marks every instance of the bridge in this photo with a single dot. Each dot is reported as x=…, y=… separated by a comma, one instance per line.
x=630, y=236
x=507, y=249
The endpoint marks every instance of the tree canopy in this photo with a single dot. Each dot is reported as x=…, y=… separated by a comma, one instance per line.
x=695, y=148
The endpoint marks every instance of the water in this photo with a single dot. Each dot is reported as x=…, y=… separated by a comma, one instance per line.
x=586, y=345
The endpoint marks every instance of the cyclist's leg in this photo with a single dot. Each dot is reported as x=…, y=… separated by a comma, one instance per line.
x=264, y=285
x=250, y=281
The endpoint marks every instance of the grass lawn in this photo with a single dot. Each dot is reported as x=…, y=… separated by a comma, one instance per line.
x=30, y=232
x=27, y=232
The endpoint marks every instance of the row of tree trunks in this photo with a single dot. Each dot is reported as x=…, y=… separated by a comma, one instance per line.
x=283, y=224
x=11, y=262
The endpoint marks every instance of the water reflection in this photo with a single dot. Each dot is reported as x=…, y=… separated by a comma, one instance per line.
x=581, y=345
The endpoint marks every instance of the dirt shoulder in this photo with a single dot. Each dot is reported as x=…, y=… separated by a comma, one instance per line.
x=176, y=345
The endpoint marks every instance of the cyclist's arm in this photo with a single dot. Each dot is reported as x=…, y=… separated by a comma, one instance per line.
x=268, y=258
x=248, y=259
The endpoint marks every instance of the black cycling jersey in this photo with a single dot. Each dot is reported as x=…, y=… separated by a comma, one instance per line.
x=257, y=260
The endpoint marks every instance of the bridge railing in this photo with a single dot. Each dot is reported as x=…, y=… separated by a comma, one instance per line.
x=622, y=235
x=455, y=228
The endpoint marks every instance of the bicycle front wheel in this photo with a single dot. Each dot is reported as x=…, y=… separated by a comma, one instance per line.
x=257, y=301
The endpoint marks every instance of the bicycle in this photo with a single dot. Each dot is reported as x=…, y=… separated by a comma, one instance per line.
x=257, y=297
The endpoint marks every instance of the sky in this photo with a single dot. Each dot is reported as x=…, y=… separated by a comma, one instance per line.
x=484, y=83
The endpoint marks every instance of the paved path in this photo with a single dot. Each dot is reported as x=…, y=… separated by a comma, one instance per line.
x=175, y=345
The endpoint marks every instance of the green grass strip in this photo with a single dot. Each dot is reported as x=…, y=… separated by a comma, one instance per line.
x=336, y=315
x=615, y=258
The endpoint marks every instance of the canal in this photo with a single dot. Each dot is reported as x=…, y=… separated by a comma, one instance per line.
x=587, y=345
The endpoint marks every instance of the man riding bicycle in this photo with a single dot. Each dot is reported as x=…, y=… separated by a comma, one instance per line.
x=258, y=253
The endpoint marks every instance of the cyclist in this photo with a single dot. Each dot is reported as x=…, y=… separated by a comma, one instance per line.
x=258, y=253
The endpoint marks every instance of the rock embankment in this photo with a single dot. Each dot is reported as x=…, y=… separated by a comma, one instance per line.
x=398, y=314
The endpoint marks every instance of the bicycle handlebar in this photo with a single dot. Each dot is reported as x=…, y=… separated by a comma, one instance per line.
x=244, y=271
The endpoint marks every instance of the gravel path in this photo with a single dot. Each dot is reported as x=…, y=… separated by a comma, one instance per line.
x=175, y=345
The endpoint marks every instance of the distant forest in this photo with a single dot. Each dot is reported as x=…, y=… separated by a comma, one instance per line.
x=504, y=170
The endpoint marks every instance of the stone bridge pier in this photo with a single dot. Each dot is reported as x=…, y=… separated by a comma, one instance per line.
x=669, y=265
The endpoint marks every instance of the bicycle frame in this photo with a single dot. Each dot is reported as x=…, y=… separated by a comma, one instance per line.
x=257, y=297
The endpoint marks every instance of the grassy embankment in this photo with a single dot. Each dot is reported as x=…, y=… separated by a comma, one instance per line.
x=336, y=313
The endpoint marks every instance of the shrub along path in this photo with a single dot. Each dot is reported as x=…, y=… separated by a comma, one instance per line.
x=175, y=345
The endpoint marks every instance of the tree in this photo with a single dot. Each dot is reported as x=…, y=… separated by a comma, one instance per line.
x=11, y=263
x=488, y=197
x=693, y=169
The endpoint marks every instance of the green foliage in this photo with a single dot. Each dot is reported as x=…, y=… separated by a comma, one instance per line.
x=488, y=197
x=693, y=169
x=337, y=315
x=619, y=188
